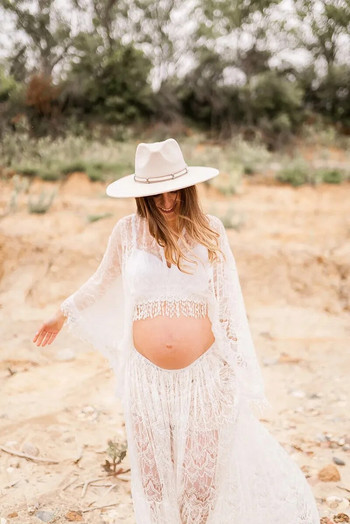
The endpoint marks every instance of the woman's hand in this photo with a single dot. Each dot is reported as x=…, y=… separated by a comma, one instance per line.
x=49, y=330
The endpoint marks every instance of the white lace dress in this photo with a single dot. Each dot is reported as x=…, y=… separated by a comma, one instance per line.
x=198, y=452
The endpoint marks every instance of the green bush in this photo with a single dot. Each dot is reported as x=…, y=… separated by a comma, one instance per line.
x=331, y=176
x=77, y=166
x=95, y=218
x=42, y=204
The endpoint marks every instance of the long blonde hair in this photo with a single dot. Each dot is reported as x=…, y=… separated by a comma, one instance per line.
x=190, y=217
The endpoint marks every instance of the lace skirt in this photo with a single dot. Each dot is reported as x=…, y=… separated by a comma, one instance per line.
x=199, y=456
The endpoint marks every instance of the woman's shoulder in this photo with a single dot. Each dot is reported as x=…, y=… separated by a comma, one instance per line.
x=122, y=229
x=215, y=222
x=125, y=222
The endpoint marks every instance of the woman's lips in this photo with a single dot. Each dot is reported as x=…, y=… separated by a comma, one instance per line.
x=168, y=210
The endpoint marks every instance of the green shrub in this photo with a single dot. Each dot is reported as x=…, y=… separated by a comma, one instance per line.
x=42, y=204
x=95, y=218
x=50, y=174
x=296, y=173
x=331, y=176
x=77, y=166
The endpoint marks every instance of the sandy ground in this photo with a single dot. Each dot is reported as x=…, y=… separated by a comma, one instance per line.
x=292, y=249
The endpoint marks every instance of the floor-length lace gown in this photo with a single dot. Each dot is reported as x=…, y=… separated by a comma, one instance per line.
x=197, y=450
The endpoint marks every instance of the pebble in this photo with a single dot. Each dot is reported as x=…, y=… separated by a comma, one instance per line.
x=88, y=413
x=110, y=517
x=338, y=503
x=329, y=473
x=30, y=449
x=45, y=516
x=3, y=521
x=338, y=461
x=32, y=509
x=341, y=517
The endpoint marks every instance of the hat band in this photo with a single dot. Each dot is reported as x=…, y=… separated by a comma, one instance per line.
x=160, y=178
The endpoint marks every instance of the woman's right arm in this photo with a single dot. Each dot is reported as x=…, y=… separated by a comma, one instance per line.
x=86, y=295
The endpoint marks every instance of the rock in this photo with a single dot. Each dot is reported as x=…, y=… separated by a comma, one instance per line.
x=45, y=516
x=3, y=521
x=338, y=503
x=321, y=437
x=31, y=509
x=110, y=517
x=12, y=515
x=326, y=520
x=329, y=473
x=341, y=517
x=315, y=395
x=74, y=516
x=30, y=449
x=338, y=461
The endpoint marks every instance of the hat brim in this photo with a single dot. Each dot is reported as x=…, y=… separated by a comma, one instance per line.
x=127, y=186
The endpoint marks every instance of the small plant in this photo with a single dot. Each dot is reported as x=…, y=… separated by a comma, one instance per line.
x=21, y=185
x=77, y=166
x=42, y=204
x=248, y=169
x=49, y=174
x=331, y=176
x=116, y=451
x=95, y=218
x=296, y=174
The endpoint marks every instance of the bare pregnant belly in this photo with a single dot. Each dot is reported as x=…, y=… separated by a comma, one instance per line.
x=172, y=342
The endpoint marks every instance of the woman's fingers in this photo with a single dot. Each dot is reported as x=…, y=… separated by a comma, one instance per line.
x=40, y=337
x=46, y=338
x=52, y=338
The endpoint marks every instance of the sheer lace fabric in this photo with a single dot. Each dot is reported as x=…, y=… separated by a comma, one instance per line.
x=157, y=289
x=197, y=451
x=198, y=456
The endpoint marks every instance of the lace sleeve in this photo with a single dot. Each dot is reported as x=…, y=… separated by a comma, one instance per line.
x=234, y=322
x=94, y=312
x=108, y=269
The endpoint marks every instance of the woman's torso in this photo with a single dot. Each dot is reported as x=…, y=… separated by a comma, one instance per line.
x=170, y=325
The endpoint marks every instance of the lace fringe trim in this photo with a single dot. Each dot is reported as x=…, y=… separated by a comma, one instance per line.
x=170, y=308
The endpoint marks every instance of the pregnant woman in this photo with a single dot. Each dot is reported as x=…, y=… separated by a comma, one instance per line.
x=165, y=306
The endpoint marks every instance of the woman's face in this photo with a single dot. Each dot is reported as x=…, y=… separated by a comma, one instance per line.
x=168, y=203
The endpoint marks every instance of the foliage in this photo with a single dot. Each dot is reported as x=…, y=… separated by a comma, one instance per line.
x=296, y=173
x=42, y=203
x=223, y=68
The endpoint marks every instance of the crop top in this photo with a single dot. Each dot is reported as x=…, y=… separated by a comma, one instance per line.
x=133, y=282
x=159, y=290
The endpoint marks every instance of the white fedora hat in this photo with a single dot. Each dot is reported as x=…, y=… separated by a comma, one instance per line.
x=159, y=167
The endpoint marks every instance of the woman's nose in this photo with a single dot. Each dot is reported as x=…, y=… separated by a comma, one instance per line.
x=167, y=200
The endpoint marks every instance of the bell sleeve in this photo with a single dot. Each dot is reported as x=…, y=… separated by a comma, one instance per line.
x=235, y=326
x=95, y=311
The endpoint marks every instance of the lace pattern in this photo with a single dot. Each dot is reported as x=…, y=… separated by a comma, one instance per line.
x=197, y=452
x=198, y=456
x=170, y=306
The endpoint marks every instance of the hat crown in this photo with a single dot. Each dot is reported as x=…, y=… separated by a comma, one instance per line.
x=158, y=159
